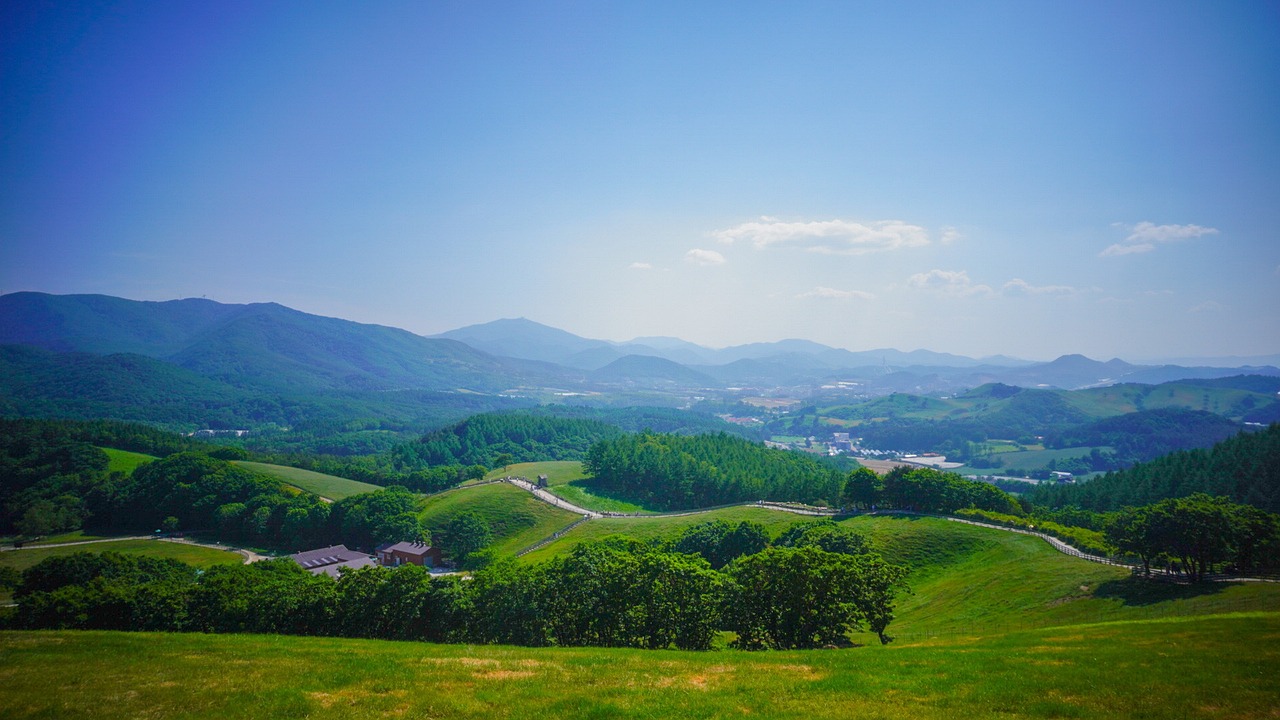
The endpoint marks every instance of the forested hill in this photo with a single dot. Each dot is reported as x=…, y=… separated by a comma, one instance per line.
x=1244, y=468
x=554, y=432
x=484, y=439
x=679, y=472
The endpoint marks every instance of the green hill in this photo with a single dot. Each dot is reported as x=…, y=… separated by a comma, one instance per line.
x=515, y=517
x=327, y=486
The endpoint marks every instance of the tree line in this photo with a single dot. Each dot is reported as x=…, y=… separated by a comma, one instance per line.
x=617, y=592
x=1244, y=468
x=676, y=472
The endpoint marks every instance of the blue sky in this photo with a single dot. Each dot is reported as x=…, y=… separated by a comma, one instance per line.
x=1026, y=178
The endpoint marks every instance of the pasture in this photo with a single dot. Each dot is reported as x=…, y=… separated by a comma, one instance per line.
x=326, y=486
x=1220, y=666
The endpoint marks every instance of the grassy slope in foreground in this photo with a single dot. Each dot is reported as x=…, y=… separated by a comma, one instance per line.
x=1216, y=667
x=329, y=486
x=516, y=518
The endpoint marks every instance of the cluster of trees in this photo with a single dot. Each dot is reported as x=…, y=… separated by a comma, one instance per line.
x=617, y=592
x=55, y=483
x=924, y=490
x=1244, y=468
x=1199, y=532
x=679, y=472
x=481, y=439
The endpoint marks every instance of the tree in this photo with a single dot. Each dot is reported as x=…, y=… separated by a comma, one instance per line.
x=787, y=598
x=862, y=489
x=464, y=534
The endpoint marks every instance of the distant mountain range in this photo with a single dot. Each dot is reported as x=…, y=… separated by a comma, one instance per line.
x=265, y=347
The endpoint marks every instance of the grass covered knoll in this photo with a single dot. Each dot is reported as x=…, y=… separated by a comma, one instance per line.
x=566, y=479
x=202, y=557
x=1215, y=667
x=328, y=486
x=125, y=461
x=973, y=579
x=516, y=518
x=660, y=526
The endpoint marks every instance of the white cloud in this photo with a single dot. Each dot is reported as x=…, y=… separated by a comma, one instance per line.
x=951, y=282
x=950, y=235
x=1018, y=286
x=1210, y=306
x=704, y=257
x=640, y=266
x=826, y=293
x=835, y=237
x=1145, y=236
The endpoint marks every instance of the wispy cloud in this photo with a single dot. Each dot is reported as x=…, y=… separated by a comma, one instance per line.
x=835, y=237
x=1018, y=286
x=1145, y=236
x=640, y=266
x=1209, y=306
x=826, y=293
x=950, y=235
x=950, y=282
x=704, y=257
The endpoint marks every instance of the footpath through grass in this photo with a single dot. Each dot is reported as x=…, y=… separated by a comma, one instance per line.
x=516, y=518
x=568, y=481
x=1215, y=667
x=329, y=486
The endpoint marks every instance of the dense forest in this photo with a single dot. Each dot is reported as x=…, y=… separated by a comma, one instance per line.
x=676, y=472
x=1244, y=468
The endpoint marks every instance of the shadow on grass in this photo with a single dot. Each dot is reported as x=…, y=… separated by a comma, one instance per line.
x=1138, y=591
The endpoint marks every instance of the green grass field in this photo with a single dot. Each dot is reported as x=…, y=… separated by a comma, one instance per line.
x=125, y=461
x=1210, y=667
x=329, y=486
x=647, y=528
x=516, y=517
x=1030, y=459
x=567, y=480
x=191, y=554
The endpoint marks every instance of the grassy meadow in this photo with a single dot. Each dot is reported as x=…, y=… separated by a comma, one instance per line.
x=327, y=486
x=568, y=481
x=1210, y=667
x=185, y=552
x=125, y=461
x=515, y=516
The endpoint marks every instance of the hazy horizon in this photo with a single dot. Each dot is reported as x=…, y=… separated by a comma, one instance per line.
x=983, y=179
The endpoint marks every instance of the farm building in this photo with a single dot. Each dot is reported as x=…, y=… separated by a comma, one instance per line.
x=329, y=560
x=409, y=553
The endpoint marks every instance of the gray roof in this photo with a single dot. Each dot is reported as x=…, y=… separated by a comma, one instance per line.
x=411, y=548
x=328, y=560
